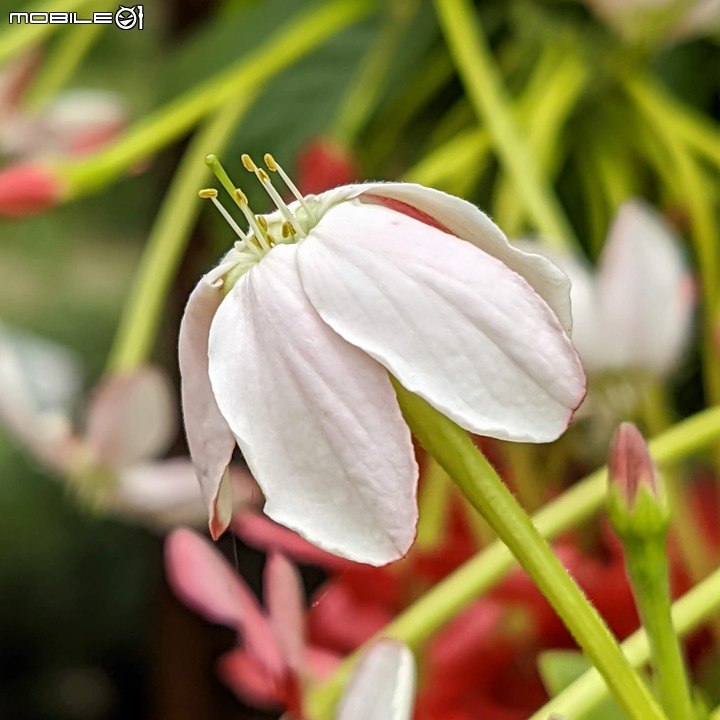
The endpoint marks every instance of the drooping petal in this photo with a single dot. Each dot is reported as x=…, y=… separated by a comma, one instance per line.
x=285, y=604
x=132, y=417
x=210, y=440
x=646, y=291
x=316, y=418
x=452, y=323
x=382, y=687
x=468, y=222
x=205, y=581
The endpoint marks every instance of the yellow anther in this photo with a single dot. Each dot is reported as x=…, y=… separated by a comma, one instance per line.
x=240, y=197
x=270, y=162
x=248, y=163
x=262, y=222
x=264, y=177
x=287, y=230
x=208, y=193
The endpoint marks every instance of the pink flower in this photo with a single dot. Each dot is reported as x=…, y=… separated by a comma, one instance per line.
x=285, y=348
x=274, y=664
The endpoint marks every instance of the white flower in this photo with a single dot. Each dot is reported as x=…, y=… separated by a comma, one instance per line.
x=286, y=348
x=635, y=312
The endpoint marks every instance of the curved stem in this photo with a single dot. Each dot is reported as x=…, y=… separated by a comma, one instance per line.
x=168, y=240
x=468, y=468
x=416, y=624
x=483, y=85
x=300, y=36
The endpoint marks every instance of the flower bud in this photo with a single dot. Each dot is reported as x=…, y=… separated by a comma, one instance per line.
x=28, y=189
x=637, y=505
x=323, y=165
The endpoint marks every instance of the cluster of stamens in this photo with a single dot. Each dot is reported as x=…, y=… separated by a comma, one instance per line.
x=259, y=238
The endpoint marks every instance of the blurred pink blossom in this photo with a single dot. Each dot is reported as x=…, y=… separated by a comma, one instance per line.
x=131, y=420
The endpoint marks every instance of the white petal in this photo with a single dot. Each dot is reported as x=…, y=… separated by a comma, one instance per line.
x=646, y=291
x=382, y=686
x=468, y=222
x=453, y=324
x=590, y=332
x=132, y=417
x=316, y=419
x=209, y=438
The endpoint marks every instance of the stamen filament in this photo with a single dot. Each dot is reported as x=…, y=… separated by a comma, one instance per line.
x=242, y=202
x=273, y=166
x=211, y=194
x=262, y=176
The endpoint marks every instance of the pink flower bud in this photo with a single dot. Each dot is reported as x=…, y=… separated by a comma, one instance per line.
x=630, y=464
x=323, y=165
x=28, y=189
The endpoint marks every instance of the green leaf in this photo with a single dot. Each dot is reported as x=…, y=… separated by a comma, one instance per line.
x=560, y=668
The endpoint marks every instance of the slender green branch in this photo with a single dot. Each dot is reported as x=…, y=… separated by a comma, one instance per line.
x=61, y=62
x=688, y=613
x=168, y=240
x=449, y=598
x=366, y=89
x=452, y=447
x=484, y=87
x=298, y=37
x=16, y=38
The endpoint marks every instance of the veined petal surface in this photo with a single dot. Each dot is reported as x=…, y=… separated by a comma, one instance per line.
x=468, y=222
x=452, y=323
x=316, y=418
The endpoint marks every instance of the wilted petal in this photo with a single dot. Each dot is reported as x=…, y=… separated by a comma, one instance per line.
x=209, y=438
x=382, y=687
x=316, y=419
x=132, y=417
x=205, y=581
x=645, y=290
x=284, y=599
x=467, y=222
x=452, y=323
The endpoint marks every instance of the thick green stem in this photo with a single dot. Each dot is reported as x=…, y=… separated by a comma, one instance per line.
x=300, y=36
x=647, y=566
x=451, y=446
x=484, y=87
x=449, y=598
x=688, y=613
